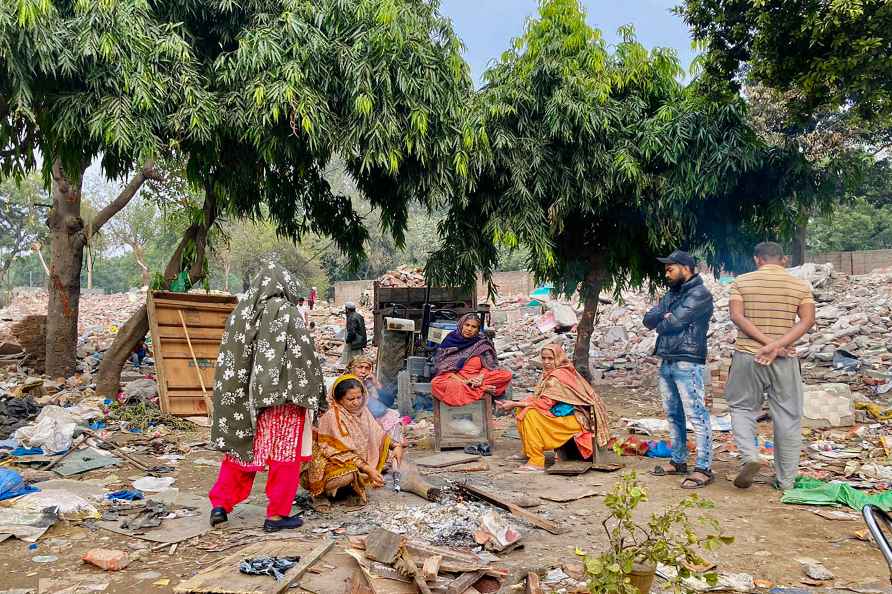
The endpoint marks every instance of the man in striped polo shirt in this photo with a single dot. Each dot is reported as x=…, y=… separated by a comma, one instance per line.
x=765, y=305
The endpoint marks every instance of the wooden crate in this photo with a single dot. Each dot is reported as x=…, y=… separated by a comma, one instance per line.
x=479, y=413
x=205, y=317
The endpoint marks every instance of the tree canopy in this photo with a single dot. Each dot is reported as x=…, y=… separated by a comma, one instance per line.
x=599, y=160
x=832, y=54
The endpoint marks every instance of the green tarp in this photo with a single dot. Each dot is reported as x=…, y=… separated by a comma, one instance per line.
x=809, y=491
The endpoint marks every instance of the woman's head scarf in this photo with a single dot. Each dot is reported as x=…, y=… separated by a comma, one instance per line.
x=456, y=349
x=267, y=358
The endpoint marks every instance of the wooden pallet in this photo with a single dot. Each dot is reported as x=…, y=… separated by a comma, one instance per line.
x=181, y=390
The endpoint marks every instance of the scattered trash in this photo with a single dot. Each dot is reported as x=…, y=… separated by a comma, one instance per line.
x=107, y=559
x=272, y=566
x=44, y=559
x=25, y=524
x=809, y=491
x=154, y=484
x=66, y=505
x=495, y=533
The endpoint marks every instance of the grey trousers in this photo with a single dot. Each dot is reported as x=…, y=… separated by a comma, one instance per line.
x=748, y=383
x=348, y=354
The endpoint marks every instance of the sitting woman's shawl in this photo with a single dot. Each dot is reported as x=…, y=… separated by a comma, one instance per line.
x=455, y=350
x=267, y=358
x=344, y=440
x=563, y=384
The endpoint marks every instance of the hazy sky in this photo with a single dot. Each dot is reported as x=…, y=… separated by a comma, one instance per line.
x=487, y=26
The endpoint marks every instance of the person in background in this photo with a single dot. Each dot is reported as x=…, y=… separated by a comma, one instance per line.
x=312, y=297
x=267, y=384
x=681, y=320
x=765, y=305
x=557, y=412
x=466, y=366
x=350, y=448
x=355, y=336
x=363, y=367
x=139, y=353
x=304, y=311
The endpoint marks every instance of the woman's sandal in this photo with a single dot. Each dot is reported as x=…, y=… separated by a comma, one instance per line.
x=677, y=469
x=692, y=482
x=527, y=469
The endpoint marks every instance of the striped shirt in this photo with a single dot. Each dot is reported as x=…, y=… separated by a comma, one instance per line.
x=771, y=298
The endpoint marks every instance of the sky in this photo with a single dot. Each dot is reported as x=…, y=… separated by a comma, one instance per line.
x=487, y=26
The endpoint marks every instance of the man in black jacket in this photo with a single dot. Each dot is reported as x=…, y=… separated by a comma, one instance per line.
x=681, y=320
x=354, y=337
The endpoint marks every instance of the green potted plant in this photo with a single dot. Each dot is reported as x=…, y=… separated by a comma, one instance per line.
x=669, y=538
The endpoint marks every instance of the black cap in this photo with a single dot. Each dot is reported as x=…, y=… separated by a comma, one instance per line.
x=679, y=257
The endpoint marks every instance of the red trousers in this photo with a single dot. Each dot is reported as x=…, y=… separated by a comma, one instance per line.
x=234, y=485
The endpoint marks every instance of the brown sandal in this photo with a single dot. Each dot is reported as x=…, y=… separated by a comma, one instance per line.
x=692, y=482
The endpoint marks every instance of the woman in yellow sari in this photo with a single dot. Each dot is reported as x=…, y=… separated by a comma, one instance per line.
x=350, y=448
x=555, y=413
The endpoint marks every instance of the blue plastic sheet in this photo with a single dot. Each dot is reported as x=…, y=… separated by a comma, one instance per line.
x=23, y=451
x=125, y=495
x=12, y=485
x=658, y=449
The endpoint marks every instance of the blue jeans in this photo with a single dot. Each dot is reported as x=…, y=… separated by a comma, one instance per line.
x=681, y=385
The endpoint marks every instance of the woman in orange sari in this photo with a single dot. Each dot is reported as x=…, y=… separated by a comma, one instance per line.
x=466, y=366
x=554, y=414
x=350, y=448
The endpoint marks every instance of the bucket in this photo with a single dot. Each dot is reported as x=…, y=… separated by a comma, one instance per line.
x=642, y=577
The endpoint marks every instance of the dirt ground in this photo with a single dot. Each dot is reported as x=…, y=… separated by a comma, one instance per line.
x=769, y=536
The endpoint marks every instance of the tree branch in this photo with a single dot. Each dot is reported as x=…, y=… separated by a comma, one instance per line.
x=148, y=171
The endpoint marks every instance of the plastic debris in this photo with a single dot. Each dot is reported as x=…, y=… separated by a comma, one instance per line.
x=154, y=484
x=12, y=485
x=274, y=567
x=809, y=491
x=125, y=495
x=815, y=570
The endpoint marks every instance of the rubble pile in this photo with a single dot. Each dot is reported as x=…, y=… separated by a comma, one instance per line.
x=853, y=314
x=404, y=276
x=23, y=321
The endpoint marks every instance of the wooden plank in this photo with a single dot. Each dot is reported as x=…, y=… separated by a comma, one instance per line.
x=533, y=585
x=532, y=518
x=431, y=567
x=225, y=578
x=383, y=546
x=446, y=459
x=305, y=563
x=195, y=317
x=463, y=582
x=569, y=467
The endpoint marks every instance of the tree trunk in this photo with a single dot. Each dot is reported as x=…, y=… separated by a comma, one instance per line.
x=590, y=290
x=797, y=257
x=139, y=255
x=109, y=379
x=67, y=250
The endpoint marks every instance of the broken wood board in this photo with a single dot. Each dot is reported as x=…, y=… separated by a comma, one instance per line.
x=463, y=582
x=204, y=317
x=383, y=545
x=445, y=459
x=517, y=511
x=224, y=577
x=569, y=493
x=479, y=466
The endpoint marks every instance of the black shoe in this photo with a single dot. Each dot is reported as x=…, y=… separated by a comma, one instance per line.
x=284, y=524
x=218, y=516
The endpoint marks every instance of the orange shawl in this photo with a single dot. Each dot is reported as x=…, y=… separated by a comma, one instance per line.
x=564, y=384
x=358, y=432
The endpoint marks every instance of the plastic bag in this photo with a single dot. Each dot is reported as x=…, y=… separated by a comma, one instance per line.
x=272, y=566
x=153, y=484
x=65, y=504
x=12, y=485
x=809, y=491
x=52, y=431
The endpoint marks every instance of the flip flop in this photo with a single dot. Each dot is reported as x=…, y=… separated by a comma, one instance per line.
x=528, y=470
x=677, y=470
